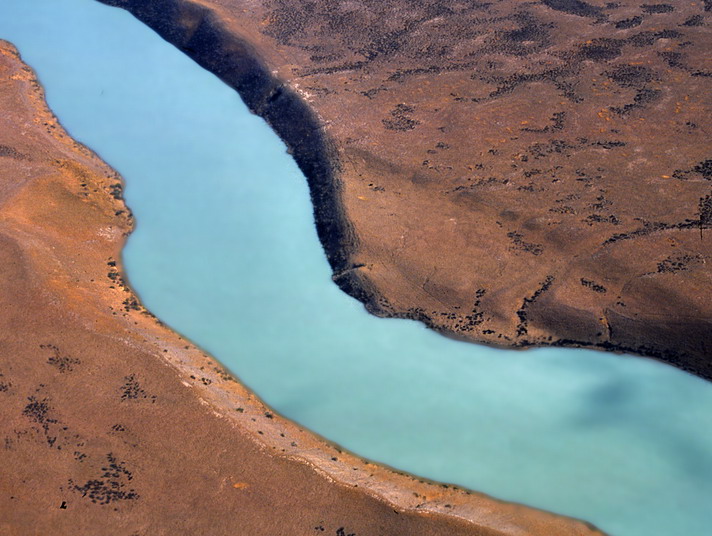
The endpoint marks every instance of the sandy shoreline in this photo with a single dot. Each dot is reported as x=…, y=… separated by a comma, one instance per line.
x=114, y=421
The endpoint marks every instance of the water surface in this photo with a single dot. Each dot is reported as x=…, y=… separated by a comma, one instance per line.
x=225, y=251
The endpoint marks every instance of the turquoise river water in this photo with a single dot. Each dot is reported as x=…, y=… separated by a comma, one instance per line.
x=225, y=251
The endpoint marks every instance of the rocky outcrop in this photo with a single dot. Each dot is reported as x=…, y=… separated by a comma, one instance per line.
x=514, y=174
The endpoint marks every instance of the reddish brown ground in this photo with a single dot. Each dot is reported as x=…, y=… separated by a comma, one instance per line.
x=112, y=424
x=516, y=173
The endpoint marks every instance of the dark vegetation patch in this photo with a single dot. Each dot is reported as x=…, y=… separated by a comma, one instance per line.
x=637, y=77
x=223, y=374
x=4, y=385
x=557, y=123
x=111, y=486
x=323, y=58
x=575, y=7
x=695, y=20
x=528, y=247
x=657, y=8
x=371, y=34
x=39, y=412
x=677, y=263
x=400, y=119
x=132, y=390
x=370, y=93
x=287, y=24
x=389, y=42
x=131, y=304
x=557, y=120
x=563, y=209
x=476, y=317
x=475, y=183
x=634, y=76
x=607, y=49
x=586, y=178
x=703, y=168
x=642, y=98
x=116, y=190
x=542, y=150
x=593, y=286
x=600, y=204
x=608, y=144
x=11, y=152
x=600, y=49
x=401, y=74
x=531, y=36
x=673, y=59
x=63, y=363
x=650, y=228
x=644, y=39
x=522, y=327
x=705, y=213
x=558, y=77
x=348, y=66
x=631, y=22
x=320, y=90
x=597, y=218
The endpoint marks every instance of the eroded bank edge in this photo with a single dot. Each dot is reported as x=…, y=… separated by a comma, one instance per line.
x=198, y=32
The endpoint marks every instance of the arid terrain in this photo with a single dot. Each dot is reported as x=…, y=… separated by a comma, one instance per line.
x=513, y=173
x=113, y=424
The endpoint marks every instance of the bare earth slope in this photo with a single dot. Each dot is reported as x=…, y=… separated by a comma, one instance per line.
x=515, y=173
x=112, y=424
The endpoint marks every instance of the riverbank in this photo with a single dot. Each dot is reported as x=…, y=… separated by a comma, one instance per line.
x=469, y=207
x=114, y=421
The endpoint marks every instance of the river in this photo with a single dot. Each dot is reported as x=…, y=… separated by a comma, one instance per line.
x=225, y=252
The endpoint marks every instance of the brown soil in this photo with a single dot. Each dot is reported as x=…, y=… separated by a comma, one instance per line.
x=113, y=424
x=514, y=173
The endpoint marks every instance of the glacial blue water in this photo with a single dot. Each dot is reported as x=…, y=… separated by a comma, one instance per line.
x=225, y=252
